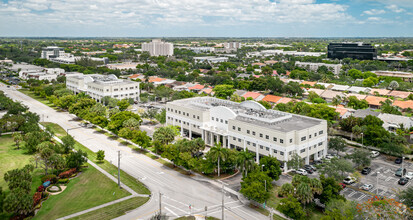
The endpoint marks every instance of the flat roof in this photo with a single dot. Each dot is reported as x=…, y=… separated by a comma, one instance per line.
x=254, y=113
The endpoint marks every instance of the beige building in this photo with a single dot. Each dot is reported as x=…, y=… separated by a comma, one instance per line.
x=334, y=68
x=249, y=126
x=98, y=86
x=158, y=48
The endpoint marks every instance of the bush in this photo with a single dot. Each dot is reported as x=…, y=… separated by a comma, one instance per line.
x=63, y=181
x=36, y=198
x=40, y=188
x=51, y=177
x=45, y=195
x=38, y=206
x=67, y=173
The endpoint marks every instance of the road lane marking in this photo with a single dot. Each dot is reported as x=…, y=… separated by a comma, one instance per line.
x=173, y=213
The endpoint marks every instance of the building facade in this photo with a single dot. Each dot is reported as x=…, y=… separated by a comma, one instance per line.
x=158, y=48
x=250, y=126
x=99, y=86
x=52, y=52
x=334, y=68
x=358, y=51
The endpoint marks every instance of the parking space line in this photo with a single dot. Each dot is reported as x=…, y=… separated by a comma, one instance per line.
x=388, y=179
x=352, y=194
x=361, y=197
x=407, y=184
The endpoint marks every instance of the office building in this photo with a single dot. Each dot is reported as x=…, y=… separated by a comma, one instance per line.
x=210, y=59
x=249, y=126
x=158, y=48
x=358, y=51
x=99, y=86
x=334, y=68
x=52, y=52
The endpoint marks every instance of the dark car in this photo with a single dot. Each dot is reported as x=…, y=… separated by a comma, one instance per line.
x=398, y=160
x=366, y=170
x=403, y=181
x=309, y=170
x=400, y=172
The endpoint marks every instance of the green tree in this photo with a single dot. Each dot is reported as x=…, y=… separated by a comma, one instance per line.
x=223, y=91
x=76, y=159
x=291, y=207
x=337, y=143
x=337, y=168
x=161, y=116
x=116, y=121
x=19, y=178
x=360, y=157
x=46, y=152
x=245, y=162
x=68, y=142
x=331, y=190
x=406, y=196
x=387, y=107
x=286, y=189
x=218, y=153
x=296, y=162
x=338, y=209
x=17, y=137
x=304, y=193
x=393, y=85
x=100, y=155
x=165, y=135
x=18, y=201
x=131, y=123
x=123, y=104
x=256, y=186
x=271, y=166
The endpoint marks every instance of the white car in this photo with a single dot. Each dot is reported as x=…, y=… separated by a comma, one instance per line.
x=301, y=172
x=409, y=175
x=349, y=180
x=367, y=187
x=374, y=154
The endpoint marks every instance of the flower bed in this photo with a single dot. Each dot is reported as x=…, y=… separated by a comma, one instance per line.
x=53, y=191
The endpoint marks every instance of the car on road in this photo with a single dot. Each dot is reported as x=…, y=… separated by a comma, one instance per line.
x=301, y=172
x=374, y=154
x=409, y=175
x=349, y=180
x=367, y=187
x=366, y=170
x=398, y=160
x=309, y=170
x=402, y=181
x=400, y=172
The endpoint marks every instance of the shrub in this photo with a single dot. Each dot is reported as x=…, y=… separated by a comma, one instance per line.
x=51, y=177
x=40, y=188
x=38, y=206
x=67, y=173
x=63, y=181
x=36, y=198
x=45, y=195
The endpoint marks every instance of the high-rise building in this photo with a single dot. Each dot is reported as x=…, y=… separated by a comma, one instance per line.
x=52, y=52
x=158, y=48
x=358, y=51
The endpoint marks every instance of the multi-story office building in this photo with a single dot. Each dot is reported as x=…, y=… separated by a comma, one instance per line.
x=158, y=48
x=52, y=52
x=358, y=51
x=99, y=86
x=334, y=68
x=250, y=126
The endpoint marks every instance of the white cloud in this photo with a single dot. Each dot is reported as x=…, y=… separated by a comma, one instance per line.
x=374, y=19
x=395, y=8
x=374, y=12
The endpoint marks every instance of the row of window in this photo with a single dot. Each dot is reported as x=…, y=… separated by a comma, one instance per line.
x=121, y=89
x=183, y=122
x=219, y=120
x=131, y=94
x=183, y=113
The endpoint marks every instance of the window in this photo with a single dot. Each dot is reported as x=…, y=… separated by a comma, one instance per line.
x=222, y=121
x=179, y=112
x=261, y=147
x=309, y=137
x=226, y=122
x=267, y=148
x=281, y=141
x=239, y=139
x=321, y=132
x=315, y=134
x=249, y=143
x=291, y=140
x=248, y=131
x=239, y=129
x=193, y=116
x=253, y=144
x=187, y=114
x=303, y=138
x=281, y=153
x=253, y=133
x=197, y=117
x=275, y=139
x=115, y=90
x=267, y=137
x=275, y=151
x=212, y=118
x=321, y=143
x=260, y=135
x=217, y=119
x=302, y=151
x=234, y=138
x=289, y=153
x=233, y=127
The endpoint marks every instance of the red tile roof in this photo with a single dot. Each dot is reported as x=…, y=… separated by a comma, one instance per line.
x=374, y=100
x=271, y=98
x=404, y=104
x=253, y=95
x=196, y=87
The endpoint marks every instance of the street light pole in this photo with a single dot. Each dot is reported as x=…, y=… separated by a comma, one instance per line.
x=223, y=197
x=402, y=166
x=262, y=167
x=362, y=135
x=160, y=204
x=377, y=186
x=119, y=169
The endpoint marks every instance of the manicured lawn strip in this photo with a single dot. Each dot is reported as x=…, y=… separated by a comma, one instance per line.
x=115, y=210
x=10, y=158
x=91, y=188
x=124, y=177
x=38, y=98
x=59, y=131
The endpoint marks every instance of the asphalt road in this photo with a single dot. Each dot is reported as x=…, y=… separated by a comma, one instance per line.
x=179, y=191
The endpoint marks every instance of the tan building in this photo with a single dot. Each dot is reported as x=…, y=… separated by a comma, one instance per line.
x=99, y=86
x=249, y=126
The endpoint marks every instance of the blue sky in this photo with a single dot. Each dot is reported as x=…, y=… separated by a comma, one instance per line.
x=206, y=18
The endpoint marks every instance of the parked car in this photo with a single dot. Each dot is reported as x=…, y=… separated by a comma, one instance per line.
x=402, y=181
x=301, y=172
x=367, y=187
x=400, y=172
x=311, y=166
x=309, y=170
x=398, y=160
x=349, y=180
x=343, y=185
x=366, y=170
x=374, y=154
x=409, y=175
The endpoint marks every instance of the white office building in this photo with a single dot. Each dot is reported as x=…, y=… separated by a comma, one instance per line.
x=98, y=86
x=250, y=126
x=52, y=52
x=211, y=59
x=334, y=68
x=158, y=48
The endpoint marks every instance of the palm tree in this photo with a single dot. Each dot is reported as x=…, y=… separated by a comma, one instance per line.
x=245, y=161
x=336, y=101
x=316, y=186
x=218, y=153
x=304, y=193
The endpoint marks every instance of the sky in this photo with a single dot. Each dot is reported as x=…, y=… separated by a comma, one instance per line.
x=206, y=18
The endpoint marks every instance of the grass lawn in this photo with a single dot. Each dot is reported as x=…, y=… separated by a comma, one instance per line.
x=115, y=210
x=38, y=98
x=59, y=131
x=89, y=189
x=124, y=177
x=10, y=158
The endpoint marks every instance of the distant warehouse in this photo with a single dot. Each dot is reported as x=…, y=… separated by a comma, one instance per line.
x=358, y=51
x=250, y=126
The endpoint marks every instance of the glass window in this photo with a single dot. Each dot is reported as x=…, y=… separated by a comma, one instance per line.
x=281, y=153
x=275, y=139
x=309, y=137
x=321, y=132
x=233, y=127
x=267, y=137
x=261, y=147
x=253, y=133
x=226, y=122
x=248, y=131
x=267, y=148
x=291, y=140
x=239, y=129
x=303, y=138
x=275, y=151
x=239, y=139
x=302, y=151
x=260, y=135
x=213, y=118
x=281, y=141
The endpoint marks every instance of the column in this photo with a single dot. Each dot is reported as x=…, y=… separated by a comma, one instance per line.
x=203, y=136
x=182, y=128
x=211, y=139
x=285, y=160
x=307, y=159
x=225, y=144
x=190, y=131
x=229, y=141
x=257, y=154
x=271, y=150
x=245, y=145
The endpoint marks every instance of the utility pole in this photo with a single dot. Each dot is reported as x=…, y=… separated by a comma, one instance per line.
x=271, y=214
x=223, y=196
x=119, y=169
x=160, y=204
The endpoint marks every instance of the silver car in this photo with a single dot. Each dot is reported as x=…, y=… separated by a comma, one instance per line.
x=367, y=187
x=301, y=172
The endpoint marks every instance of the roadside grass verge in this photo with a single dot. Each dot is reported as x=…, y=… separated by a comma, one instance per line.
x=38, y=98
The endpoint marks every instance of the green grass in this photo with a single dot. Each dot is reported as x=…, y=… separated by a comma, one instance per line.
x=59, y=131
x=10, y=157
x=38, y=98
x=186, y=218
x=91, y=188
x=108, y=167
x=115, y=210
